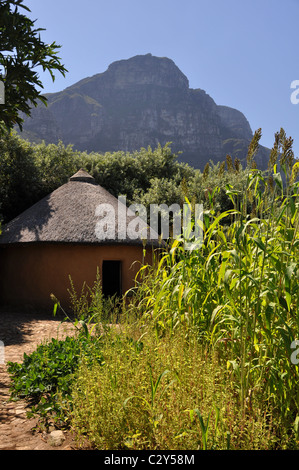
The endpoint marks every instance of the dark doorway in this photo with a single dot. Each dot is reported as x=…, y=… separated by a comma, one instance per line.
x=111, y=278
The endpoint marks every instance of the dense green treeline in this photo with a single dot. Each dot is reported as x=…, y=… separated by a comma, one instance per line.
x=29, y=172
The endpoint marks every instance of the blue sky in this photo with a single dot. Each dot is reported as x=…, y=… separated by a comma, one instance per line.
x=244, y=54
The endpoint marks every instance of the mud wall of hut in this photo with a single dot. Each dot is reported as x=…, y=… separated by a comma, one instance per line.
x=30, y=273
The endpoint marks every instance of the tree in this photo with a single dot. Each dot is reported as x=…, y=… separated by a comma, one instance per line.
x=22, y=52
x=19, y=177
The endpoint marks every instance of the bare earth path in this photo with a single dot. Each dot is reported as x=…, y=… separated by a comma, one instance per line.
x=23, y=332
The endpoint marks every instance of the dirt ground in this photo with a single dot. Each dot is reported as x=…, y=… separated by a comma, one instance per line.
x=22, y=333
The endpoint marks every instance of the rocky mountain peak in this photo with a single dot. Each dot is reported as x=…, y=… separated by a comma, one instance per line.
x=146, y=70
x=139, y=102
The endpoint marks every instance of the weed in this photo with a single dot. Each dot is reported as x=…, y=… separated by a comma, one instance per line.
x=44, y=378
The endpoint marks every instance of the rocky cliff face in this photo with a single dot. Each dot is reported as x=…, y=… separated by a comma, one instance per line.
x=139, y=102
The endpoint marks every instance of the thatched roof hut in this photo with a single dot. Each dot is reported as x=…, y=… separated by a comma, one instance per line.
x=76, y=230
x=69, y=215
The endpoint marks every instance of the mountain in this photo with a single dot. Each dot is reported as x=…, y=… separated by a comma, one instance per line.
x=138, y=102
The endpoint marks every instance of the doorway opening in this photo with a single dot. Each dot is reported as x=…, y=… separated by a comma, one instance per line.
x=111, y=278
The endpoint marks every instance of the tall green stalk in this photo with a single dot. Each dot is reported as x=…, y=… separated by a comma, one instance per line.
x=239, y=292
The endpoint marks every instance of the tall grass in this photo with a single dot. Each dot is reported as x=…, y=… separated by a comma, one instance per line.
x=161, y=393
x=239, y=292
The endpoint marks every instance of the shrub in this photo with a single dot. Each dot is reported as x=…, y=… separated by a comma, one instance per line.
x=47, y=374
x=161, y=394
x=19, y=178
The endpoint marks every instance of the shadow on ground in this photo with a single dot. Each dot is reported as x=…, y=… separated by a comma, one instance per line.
x=15, y=325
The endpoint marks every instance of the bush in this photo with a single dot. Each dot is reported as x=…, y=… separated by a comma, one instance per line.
x=161, y=394
x=45, y=377
x=29, y=172
x=19, y=177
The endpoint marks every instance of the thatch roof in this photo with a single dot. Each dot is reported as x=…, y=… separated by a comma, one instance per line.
x=68, y=215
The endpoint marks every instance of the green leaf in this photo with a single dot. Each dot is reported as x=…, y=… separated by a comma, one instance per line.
x=278, y=180
x=260, y=244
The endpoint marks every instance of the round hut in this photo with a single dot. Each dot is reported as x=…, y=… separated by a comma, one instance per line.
x=73, y=233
